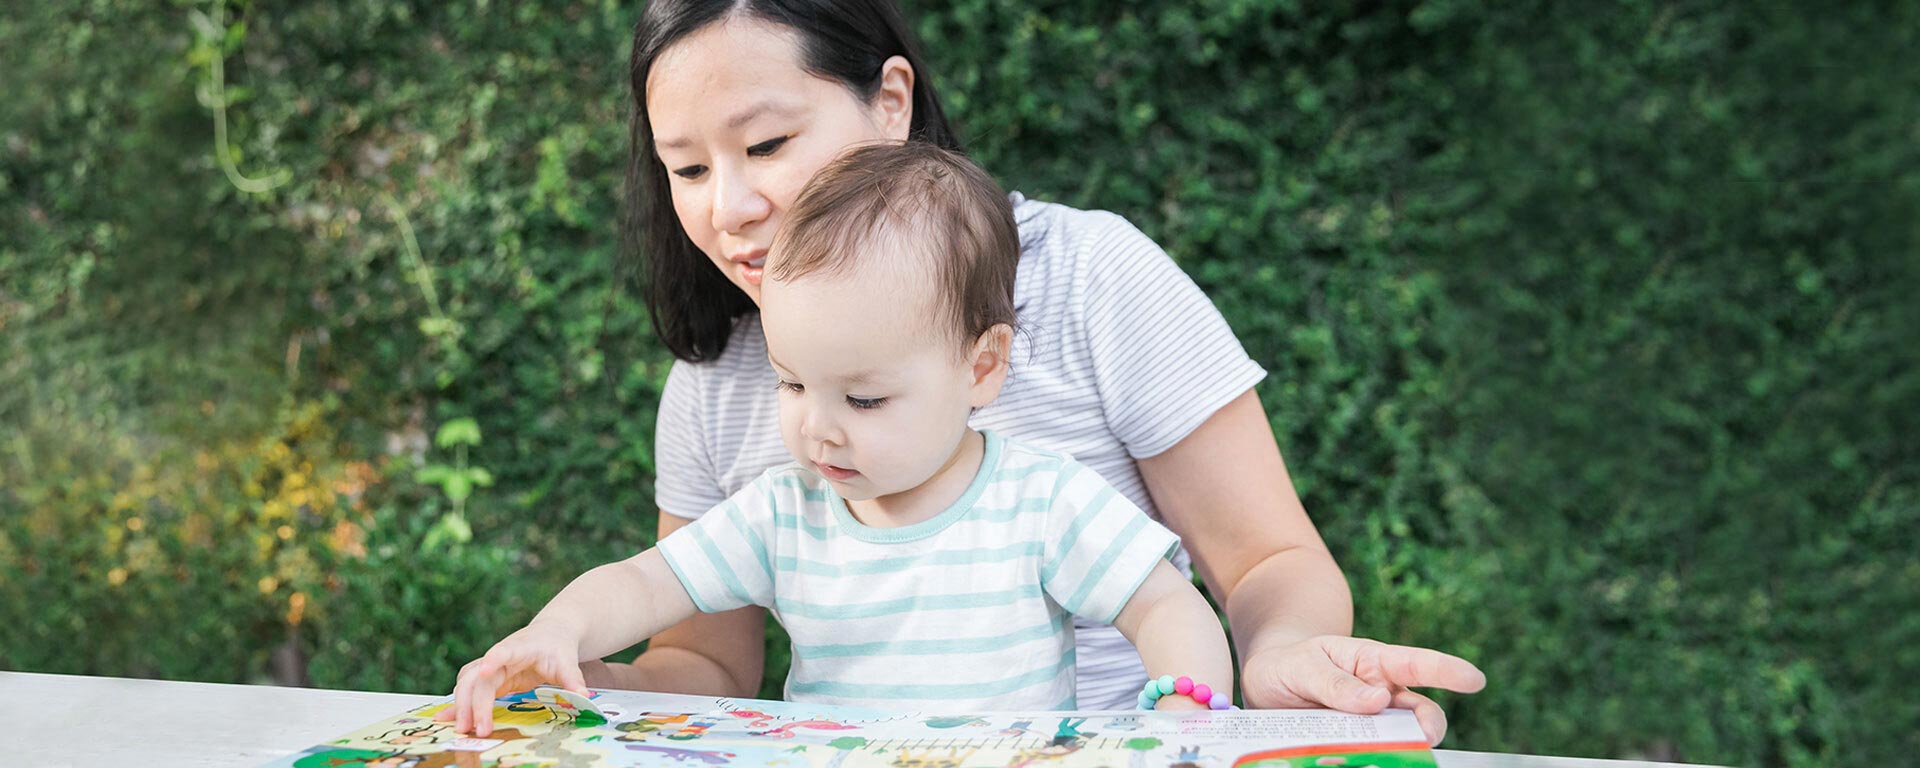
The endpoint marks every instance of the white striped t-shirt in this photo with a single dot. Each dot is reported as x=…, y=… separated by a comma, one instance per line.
x=1118, y=356
x=967, y=611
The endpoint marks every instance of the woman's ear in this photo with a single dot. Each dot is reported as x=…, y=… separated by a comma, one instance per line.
x=990, y=363
x=893, y=103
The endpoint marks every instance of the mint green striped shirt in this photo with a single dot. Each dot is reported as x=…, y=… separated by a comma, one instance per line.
x=970, y=610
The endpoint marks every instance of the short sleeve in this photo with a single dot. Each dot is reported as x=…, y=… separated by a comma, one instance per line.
x=685, y=481
x=722, y=558
x=1163, y=357
x=1100, y=547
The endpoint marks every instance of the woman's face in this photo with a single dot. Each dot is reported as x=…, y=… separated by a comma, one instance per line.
x=741, y=126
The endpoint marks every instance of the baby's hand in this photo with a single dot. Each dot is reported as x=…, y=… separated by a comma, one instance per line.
x=538, y=653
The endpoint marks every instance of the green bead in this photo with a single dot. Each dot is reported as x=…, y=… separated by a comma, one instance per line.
x=1165, y=684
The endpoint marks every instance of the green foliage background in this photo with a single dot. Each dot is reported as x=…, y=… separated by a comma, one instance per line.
x=1592, y=330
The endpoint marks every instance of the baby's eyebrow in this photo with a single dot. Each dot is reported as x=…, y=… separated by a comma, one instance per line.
x=863, y=376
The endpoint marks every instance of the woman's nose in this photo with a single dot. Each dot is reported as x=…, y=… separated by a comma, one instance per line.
x=737, y=204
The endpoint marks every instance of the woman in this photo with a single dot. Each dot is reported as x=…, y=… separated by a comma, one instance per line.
x=1122, y=362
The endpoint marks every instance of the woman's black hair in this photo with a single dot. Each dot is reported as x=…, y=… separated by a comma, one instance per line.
x=692, y=303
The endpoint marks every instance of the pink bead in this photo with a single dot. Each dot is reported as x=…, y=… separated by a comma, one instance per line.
x=1183, y=685
x=1202, y=693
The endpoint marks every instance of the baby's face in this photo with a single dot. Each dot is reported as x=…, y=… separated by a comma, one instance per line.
x=873, y=397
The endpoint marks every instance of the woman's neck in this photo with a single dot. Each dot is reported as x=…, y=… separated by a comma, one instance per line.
x=926, y=500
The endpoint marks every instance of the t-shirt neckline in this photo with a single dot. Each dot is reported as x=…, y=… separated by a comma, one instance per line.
x=989, y=463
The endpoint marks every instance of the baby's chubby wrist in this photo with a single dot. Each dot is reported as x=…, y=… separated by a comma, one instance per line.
x=557, y=628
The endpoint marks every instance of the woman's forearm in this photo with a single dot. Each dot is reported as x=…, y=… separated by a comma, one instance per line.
x=1289, y=596
x=666, y=669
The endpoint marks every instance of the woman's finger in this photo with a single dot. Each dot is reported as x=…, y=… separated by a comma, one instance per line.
x=1433, y=719
x=1337, y=688
x=1410, y=667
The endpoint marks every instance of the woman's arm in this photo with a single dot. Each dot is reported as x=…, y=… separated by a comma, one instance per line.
x=711, y=654
x=1225, y=490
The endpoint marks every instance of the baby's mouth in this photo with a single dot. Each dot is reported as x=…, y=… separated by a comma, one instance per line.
x=832, y=472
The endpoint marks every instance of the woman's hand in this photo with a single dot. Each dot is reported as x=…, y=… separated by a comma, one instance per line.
x=541, y=652
x=1356, y=675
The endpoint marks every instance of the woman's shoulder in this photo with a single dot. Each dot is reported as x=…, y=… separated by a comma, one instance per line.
x=1048, y=227
x=729, y=381
x=1074, y=247
x=1074, y=256
x=746, y=352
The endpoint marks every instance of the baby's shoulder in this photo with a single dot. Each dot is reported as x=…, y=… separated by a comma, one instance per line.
x=1036, y=470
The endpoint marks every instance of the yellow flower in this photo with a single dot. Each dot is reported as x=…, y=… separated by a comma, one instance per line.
x=117, y=576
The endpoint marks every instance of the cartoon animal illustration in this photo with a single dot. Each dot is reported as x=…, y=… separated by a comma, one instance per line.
x=760, y=719
x=1018, y=728
x=429, y=733
x=1028, y=758
x=952, y=758
x=691, y=731
x=1069, y=733
x=1124, y=723
x=1189, y=757
x=786, y=731
x=638, y=730
x=683, y=755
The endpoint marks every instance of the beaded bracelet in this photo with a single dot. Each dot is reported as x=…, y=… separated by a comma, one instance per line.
x=1184, y=686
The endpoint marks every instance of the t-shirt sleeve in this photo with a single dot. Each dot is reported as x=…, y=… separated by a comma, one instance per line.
x=1163, y=357
x=685, y=481
x=1100, y=546
x=722, y=558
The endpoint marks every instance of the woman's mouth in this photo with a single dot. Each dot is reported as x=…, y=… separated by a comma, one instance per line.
x=752, y=266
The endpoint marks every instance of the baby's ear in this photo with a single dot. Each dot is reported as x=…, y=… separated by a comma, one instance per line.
x=989, y=359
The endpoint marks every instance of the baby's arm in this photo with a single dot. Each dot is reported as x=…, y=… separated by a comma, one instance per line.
x=604, y=610
x=618, y=604
x=1177, y=634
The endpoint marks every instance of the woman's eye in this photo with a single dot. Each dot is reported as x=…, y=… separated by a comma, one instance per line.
x=767, y=147
x=690, y=172
x=866, y=403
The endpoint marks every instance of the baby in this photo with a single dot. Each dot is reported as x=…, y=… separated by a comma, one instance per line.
x=916, y=563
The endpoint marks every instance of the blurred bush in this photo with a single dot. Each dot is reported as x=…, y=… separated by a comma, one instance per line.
x=1591, y=330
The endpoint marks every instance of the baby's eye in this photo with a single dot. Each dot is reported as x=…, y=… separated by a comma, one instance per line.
x=791, y=386
x=865, y=403
x=690, y=172
x=767, y=147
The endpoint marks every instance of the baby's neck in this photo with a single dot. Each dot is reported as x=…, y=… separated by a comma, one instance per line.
x=926, y=500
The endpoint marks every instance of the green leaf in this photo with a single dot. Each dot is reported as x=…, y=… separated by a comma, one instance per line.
x=461, y=431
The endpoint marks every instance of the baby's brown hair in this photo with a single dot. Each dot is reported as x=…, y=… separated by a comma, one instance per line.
x=945, y=209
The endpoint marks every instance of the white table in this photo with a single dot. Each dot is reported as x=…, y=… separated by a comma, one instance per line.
x=65, y=721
